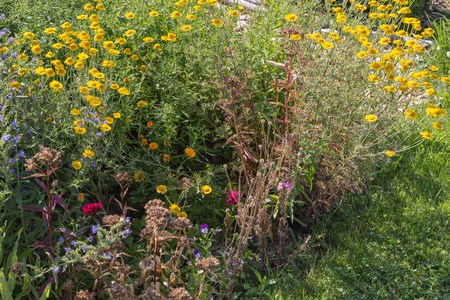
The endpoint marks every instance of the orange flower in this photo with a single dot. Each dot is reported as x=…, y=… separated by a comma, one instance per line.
x=190, y=152
x=153, y=146
x=166, y=142
x=149, y=123
x=144, y=142
x=166, y=157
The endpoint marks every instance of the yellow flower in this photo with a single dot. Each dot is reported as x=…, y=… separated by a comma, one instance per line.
x=295, y=37
x=14, y=85
x=186, y=27
x=216, y=22
x=75, y=112
x=100, y=6
x=80, y=130
x=433, y=68
x=233, y=13
x=123, y=91
x=390, y=88
x=153, y=14
x=141, y=103
x=175, y=15
x=431, y=92
x=290, y=18
x=105, y=127
x=182, y=214
x=113, y=51
x=76, y=165
x=130, y=32
x=426, y=135
x=143, y=68
x=206, y=189
x=445, y=79
x=116, y=115
x=174, y=208
x=56, y=86
x=371, y=118
x=82, y=17
x=88, y=153
x=373, y=78
x=36, y=49
x=189, y=152
x=130, y=16
x=148, y=39
x=66, y=25
x=134, y=57
x=93, y=51
x=437, y=126
x=50, y=30
x=114, y=86
x=157, y=47
x=361, y=54
x=88, y=7
x=190, y=17
x=109, y=120
x=161, y=189
x=121, y=41
x=29, y=35
x=81, y=196
x=108, y=45
x=390, y=153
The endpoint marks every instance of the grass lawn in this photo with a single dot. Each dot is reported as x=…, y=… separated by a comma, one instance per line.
x=391, y=242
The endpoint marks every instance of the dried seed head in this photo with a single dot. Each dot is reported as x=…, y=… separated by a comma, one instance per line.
x=84, y=295
x=185, y=182
x=151, y=294
x=16, y=268
x=111, y=220
x=54, y=184
x=180, y=294
x=207, y=263
x=123, y=178
x=181, y=224
x=30, y=165
x=185, y=241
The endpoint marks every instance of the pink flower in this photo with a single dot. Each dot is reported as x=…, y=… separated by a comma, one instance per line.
x=92, y=208
x=233, y=197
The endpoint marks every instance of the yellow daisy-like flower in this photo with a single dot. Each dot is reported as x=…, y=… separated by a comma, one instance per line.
x=148, y=39
x=175, y=15
x=233, y=13
x=153, y=146
x=88, y=7
x=88, y=153
x=390, y=153
x=190, y=17
x=206, y=189
x=76, y=165
x=190, y=152
x=141, y=103
x=290, y=18
x=174, y=208
x=80, y=130
x=75, y=112
x=130, y=16
x=371, y=118
x=216, y=22
x=123, y=91
x=157, y=47
x=121, y=41
x=182, y=214
x=117, y=115
x=109, y=120
x=186, y=27
x=105, y=127
x=130, y=32
x=56, y=86
x=373, y=78
x=161, y=189
x=295, y=37
x=426, y=135
x=153, y=14
x=437, y=126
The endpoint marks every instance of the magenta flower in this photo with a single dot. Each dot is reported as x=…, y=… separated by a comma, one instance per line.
x=233, y=197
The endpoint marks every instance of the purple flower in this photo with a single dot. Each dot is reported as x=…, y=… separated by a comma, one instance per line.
x=127, y=220
x=12, y=170
x=73, y=243
x=67, y=249
x=21, y=153
x=84, y=248
x=230, y=273
x=16, y=139
x=280, y=186
x=2, y=16
x=94, y=229
x=61, y=240
x=11, y=40
x=127, y=231
x=204, y=228
x=6, y=137
x=197, y=254
x=56, y=270
x=287, y=186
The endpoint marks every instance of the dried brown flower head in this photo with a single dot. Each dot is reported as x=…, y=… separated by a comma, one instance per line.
x=84, y=295
x=207, y=263
x=158, y=216
x=185, y=241
x=16, y=268
x=151, y=294
x=185, y=182
x=180, y=294
x=123, y=178
x=181, y=224
x=111, y=220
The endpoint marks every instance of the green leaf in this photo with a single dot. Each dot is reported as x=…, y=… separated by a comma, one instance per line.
x=4, y=289
x=46, y=292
